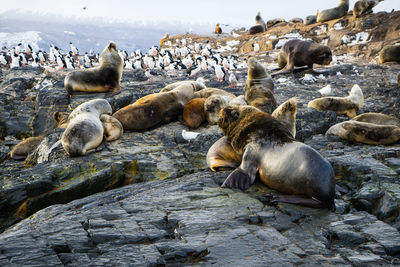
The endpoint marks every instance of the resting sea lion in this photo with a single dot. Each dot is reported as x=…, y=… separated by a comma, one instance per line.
x=389, y=53
x=341, y=105
x=193, y=113
x=334, y=13
x=105, y=78
x=213, y=105
x=197, y=86
x=296, y=20
x=259, y=88
x=282, y=163
x=85, y=131
x=377, y=118
x=259, y=25
x=207, y=92
x=297, y=53
x=367, y=133
x=113, y=129
x=310, y=20
x=221, y=155
x=155, y=109
x=23, y=148
x=273, y=22
x=364, y=7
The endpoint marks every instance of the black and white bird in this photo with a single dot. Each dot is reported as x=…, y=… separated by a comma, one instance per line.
x=256, y=47
x=219, y=72
x=74, y=50
x=4, y=60
x=194, y=69
x=28, y=48
x=233, y=80
x=15, y=60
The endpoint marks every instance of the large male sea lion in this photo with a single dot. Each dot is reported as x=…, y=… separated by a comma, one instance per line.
x=198, y=85
x=213, y=105
x=155, y=109
x=364, y=7
x=367, y=133
x=297, y=53
x=341, y=105
x=268, y=149
x=105, y=78
x=85, y=131
x=389, y=53
x=259, y=88
x=334, y=13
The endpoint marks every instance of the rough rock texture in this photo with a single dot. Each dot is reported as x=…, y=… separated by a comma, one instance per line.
x=149, y=198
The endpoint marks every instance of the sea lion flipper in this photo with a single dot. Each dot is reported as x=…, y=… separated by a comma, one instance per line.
x=299, y=200
x=238, y=179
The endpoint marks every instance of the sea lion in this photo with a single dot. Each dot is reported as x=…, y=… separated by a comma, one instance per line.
x=282, y=163
x=23, y=148
x=367, y=133
x=310, y=20
x=259, y=88
x=389, y=53
x=341, y=105
x=85, y=131
x=239, y=100
x=377, y=118
x=259, y=25
x=155, y=109
x=113, y=129
x=193, y=113
x=207, y=92
x=296, y=20
x=286, y=113
x=364, y=7
x=221, y=155
x=213, y=105
x=197, y=85
x=334, y=13
x=273, y=22
x=102, y=79
x=297, y=53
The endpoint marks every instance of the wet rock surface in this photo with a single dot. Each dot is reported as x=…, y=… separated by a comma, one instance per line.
x=149, y=198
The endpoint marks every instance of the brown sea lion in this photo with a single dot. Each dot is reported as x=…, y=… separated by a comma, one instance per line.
x=389, y=53
x=364, y=7
x=341, y=105
x=259, y=88
x=193, y=113
x=334, y=13
x=367, y=133
x=269, y=150
x=84, y=132
x=297, y=53
x=377, y=118
x=155, y=109
x=207, y=92
x=221, y=155
x=198, y=85
x=23, y=148
x=105, y=78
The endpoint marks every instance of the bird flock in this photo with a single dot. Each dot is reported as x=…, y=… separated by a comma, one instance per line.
x=192, y=59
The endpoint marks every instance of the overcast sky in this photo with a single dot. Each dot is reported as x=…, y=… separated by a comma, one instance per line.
x=200, y=11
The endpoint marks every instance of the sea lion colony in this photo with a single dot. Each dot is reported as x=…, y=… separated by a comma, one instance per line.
x=238, y=119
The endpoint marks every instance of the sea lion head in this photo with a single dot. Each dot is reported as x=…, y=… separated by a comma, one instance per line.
x=229, y=115
x=110, y=56
x=113, y=129
x=255, y=69
x=61, y=119
x=213, y=105
x=321, y=55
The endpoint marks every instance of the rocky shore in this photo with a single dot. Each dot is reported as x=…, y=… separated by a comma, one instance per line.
x=149, y=199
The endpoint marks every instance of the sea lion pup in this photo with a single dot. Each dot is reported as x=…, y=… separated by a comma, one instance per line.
x=113, y=129
x=207, y=92
x=259, y=88
x=364, y=7
x=334, y=13
x=282, y=163
x=155, y=109
x=213, y=105
x=198, y=85
x=102, y=79
x=193, y=113
x=297, y=53
x=23, y=148
x=259, y=25
x=310, y=20
x=367, y=133
x=221, y=154
x=341, y=105
x=85, y=131
x=389, y=53
x=377, y=118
